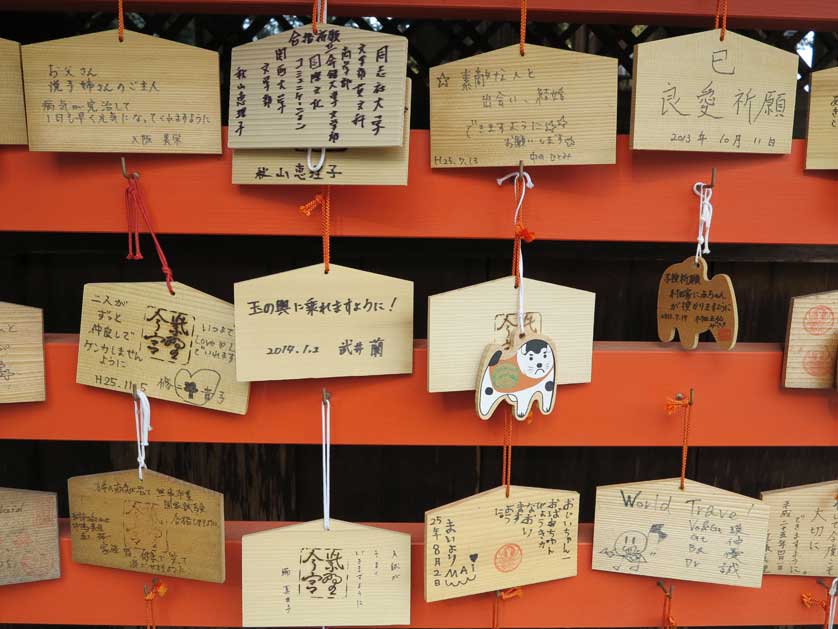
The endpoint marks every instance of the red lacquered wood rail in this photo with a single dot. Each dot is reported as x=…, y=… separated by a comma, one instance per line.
x=645, y=196
x=89, y=595
x=739, y=402
x=778, y=14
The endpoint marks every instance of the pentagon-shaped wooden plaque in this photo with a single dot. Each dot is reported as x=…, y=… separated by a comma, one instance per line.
x=304, y=576
x=700, y=533
x=180, y=347
x=340, y=87
x=29, y=548
x=309, y=324
x=489, y=542
x=12, y=109
x=811, y=342
x=803, y=530
x=462, y=322
x=21, y=354
x=366, y=166
x=93, y=93
x=699, y=93
x=550, y=107
x=159, y=525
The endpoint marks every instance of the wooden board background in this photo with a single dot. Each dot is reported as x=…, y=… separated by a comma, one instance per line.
x=311, y=344
x=489, y=542
x=691, y=303
x=159, y=525
x=126, y=338
x=21, y=354
x=375, y=584
x=462, y=322
x=705, y=94
x=28, y=536
x=822, y=135
x=811, y=342
x=12, y=110
x=371, y=166
x=269, y=126
x=652, y=528
x=549, y=107
x=183, y=115
x=803, y=530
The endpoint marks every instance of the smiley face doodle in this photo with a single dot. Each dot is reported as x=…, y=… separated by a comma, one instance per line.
x=631, y=547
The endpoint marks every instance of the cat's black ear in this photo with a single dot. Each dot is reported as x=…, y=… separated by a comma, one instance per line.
x=495, y=359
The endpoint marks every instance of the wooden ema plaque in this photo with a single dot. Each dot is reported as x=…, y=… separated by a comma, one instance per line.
x=700, y=533
x=691, y=303
x=548, y=107
x=28, y=536
x=309, y=324
x=304, y=576
x=822, y=137
x=811, y=342
x=462, y=322
x=93, y=93
x=803, y=530
x=489, y=542
x=340, y=87
x=159, y=525
x=179, y=348
x=370, y=166
x=21, y=354
x=12, y=110
x=698, y=93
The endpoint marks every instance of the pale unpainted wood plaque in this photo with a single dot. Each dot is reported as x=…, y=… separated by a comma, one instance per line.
x=691, y=303
x=370, y=166
x=309, y=324
x=489, y=542
x=21, y=354
x=12, y=110
x=337, y=88
x=803, y=530
x=700, y=533
x=93, y=93
x=811, y=342
x=28, y=536
x=462, y=322
x=303, y=576
x=159, y=525
x=822, y=137
x=698, y=93
x=180, y=347
x=548, y=107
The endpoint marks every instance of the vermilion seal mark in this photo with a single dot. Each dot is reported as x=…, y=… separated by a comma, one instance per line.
x=819, y=320
x=508, y=557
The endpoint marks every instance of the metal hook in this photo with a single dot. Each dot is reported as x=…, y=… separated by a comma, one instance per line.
x=680, y=396
x=821, y=582
x=521, y=169
x=327, y=397
x=665, y=591
x=320, y=162
x=712, y=179
x=134, y=175
x=134, y=392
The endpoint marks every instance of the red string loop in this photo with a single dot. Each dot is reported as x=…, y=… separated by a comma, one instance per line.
x=120, y=19
x=136, y=208
x=668, y=621
x=672, y=405
x=500, y=597
x=522, y=43
x=721, y=12
x=322, y=200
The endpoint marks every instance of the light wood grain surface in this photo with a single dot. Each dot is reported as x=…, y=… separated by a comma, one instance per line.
x=180, y=347
x=822, y=136
x=462, y=322
x=303, y=576
x=12, y=109
x=158, y=525
x=28, y=536
x=548, y=107
x=811, y=342
x=698, y=93
x=93, y=93
x=21, y=354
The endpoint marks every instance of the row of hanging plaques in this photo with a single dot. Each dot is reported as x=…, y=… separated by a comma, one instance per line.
x=336, y=97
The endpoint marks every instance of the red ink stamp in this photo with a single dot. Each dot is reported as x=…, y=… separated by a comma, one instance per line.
x=819, y=320
x=44, y=515
x=818, y=362
x=508, y=557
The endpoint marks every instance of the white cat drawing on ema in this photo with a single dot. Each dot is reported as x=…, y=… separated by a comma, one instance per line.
x=520, y=374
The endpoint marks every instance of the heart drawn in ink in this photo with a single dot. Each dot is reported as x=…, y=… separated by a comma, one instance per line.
x=197, y=388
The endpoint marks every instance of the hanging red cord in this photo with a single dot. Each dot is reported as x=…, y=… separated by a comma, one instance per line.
x=721, y=13
x=322, y=200
x=668, y=620
x=673, y=405
x=500, y=597
x=523, y=27
x=135, y=207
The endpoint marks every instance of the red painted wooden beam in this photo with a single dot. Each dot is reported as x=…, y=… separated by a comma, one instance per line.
x=89, y=595
x=646, y=196
x=777, y=14
x=739, y=403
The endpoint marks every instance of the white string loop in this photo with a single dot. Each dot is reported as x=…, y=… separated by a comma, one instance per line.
x=142, y=422
x=833, y=603
x=705, y=218
x=320, y=162
x=528, y=184
x=326, y=437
